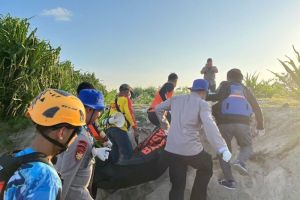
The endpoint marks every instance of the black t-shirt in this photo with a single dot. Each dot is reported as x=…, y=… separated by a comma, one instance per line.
x=165, y=89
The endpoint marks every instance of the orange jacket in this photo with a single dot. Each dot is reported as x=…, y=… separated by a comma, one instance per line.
x=164, y=93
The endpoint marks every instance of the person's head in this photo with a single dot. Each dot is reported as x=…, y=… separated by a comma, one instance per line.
x=93, y=101
x=209, y=62
x=84, y=85
x=235, y=75
x=200, y=86
x=126, y=90
x=173, y=78
x=58, y=117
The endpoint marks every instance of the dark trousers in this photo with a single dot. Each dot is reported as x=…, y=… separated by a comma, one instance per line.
x=178, y=170
x=154, y=120
x=243, y=137
x=121, y=149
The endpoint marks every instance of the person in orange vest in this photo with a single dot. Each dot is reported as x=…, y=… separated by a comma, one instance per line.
x=164, y=93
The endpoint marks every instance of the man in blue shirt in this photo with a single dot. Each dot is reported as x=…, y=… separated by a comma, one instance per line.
x=58, y=116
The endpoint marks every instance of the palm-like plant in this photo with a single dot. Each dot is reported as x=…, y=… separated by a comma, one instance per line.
x=292, y=78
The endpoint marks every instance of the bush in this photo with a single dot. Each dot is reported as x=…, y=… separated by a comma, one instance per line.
x=264, y=88
x=144, y=96
x=29, y=65
x=182, y=90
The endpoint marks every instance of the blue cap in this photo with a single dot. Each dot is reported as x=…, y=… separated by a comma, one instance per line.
x=92, y=98
x=199, y=84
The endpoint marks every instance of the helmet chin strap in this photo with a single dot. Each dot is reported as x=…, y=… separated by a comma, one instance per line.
x=89, y=122
x=63, y=147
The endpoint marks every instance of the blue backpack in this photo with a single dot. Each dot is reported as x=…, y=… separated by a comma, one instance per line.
x=236, y=103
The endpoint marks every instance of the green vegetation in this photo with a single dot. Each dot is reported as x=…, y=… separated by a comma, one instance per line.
x=264, y=88
x=283, y=86
x=291, y=79
x=182, y=90
x=28, y=65
x=144, y=96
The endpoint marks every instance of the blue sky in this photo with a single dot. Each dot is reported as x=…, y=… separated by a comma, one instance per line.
x=141, y=41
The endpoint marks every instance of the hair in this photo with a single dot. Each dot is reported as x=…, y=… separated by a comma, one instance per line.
x=84, y=85
x=235, y=75
x=209, y=60
x=172, y=77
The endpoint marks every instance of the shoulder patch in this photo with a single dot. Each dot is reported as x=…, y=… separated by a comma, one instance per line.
x=81, y=149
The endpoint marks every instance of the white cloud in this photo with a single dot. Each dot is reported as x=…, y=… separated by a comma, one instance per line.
x=60, y=14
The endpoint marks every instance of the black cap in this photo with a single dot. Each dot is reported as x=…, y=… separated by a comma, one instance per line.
x=126, y=87
x=235, y=75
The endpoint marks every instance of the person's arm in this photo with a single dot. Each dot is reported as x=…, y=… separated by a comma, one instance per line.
x=168, y=87
x=215, y=69
x=256, y=109
x=210, y=128
x=128, y=112
x=160, y=110
x=203, y=70
x=70, y=162
x=220, y=93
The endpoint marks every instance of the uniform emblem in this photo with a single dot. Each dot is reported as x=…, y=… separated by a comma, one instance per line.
x=78, y=156
x=81, y=149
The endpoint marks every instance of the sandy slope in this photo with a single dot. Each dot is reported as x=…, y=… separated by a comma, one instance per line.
x=274, y=167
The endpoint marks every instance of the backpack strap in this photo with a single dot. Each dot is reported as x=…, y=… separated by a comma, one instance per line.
x=32, y=157
x=10, y=164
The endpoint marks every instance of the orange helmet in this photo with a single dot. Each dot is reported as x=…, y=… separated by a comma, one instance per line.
x=52, y=107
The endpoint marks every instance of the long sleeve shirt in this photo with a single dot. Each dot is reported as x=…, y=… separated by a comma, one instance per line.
x=75, y=166
x=189, y=114
x=222, y=93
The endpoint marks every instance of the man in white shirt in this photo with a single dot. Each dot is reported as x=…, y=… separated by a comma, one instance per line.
x=189, y=113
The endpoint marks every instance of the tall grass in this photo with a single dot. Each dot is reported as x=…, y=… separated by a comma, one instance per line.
x=291, y=79
x=264, y=88
x=28, y=65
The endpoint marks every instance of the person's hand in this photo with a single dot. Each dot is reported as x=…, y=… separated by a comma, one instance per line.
x=101, y=153
x=261, y=132
x=226, y=155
